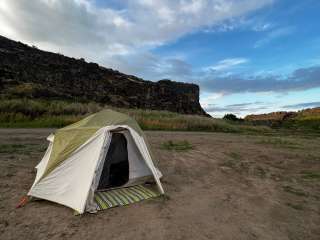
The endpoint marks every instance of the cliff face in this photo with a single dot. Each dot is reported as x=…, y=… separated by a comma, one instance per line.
x=29, y=72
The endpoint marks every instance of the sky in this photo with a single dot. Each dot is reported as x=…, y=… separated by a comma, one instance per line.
x=247, y=56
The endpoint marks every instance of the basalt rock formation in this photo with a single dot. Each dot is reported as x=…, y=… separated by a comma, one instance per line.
x=32, y=73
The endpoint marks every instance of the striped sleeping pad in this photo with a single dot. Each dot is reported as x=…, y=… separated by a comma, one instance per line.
x=123, y=196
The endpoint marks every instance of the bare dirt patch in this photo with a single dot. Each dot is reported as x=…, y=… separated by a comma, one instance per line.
x=227, y=186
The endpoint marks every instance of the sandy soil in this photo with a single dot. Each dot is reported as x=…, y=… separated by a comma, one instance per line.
x=228, y=186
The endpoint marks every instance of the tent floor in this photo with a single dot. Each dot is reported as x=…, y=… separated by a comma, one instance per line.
x=124, y=196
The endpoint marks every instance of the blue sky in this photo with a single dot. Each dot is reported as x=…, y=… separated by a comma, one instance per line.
x=248, y=56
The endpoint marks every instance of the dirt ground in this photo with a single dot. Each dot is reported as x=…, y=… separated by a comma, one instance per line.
x=229, y=186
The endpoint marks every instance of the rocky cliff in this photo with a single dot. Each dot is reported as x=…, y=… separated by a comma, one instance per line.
x=32, y=73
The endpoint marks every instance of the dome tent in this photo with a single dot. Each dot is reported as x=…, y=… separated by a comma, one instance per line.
x=104, y=150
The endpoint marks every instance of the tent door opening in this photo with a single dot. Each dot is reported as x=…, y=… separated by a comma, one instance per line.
x=115, y=170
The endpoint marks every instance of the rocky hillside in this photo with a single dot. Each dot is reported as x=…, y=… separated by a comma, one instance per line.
x=303, y=119
x=274, y=116
x=282, y=116
x=27, y=72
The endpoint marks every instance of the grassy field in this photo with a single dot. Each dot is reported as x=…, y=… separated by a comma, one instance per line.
x=304, y=123
x=25, y=113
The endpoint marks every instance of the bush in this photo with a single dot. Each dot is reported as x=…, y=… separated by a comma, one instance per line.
x=231, y=117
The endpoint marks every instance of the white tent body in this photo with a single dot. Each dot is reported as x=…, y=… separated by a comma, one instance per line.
x=75, y=180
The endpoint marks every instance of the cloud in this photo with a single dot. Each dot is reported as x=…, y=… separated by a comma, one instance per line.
x=81, y=29
x=152, y=67
x=257, y=107
x=300, y=79
x=274, y=34
x=206, y=101
x=261, y=27
x=239, y=108
x=226, y=64
x=244, y=104
x=302, y=105
x=167, y=68
x=254, y=24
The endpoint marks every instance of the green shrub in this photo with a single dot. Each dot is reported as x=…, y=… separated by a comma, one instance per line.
x=231, y=117
x=178, y=146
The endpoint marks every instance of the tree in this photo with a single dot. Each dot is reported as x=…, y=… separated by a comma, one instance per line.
x=231, y=117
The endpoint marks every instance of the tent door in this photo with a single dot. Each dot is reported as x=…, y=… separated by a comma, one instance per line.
x=115, y=170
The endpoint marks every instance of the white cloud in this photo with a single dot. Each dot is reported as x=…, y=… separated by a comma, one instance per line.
x=261, y=27
x=274, y=34
x=227, y=64
x=241, y=23
x=299, y=80
x=79, y=28
x=206, y=101
x=193, y=7
x=239, y=109
x=303, y=105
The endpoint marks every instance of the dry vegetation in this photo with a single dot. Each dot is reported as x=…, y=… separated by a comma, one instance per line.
x=32, y=113
x=17, y=113
x=303, y=120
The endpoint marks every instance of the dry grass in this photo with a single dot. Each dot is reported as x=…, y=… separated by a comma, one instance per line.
x=31, y=113
x=177, y=146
